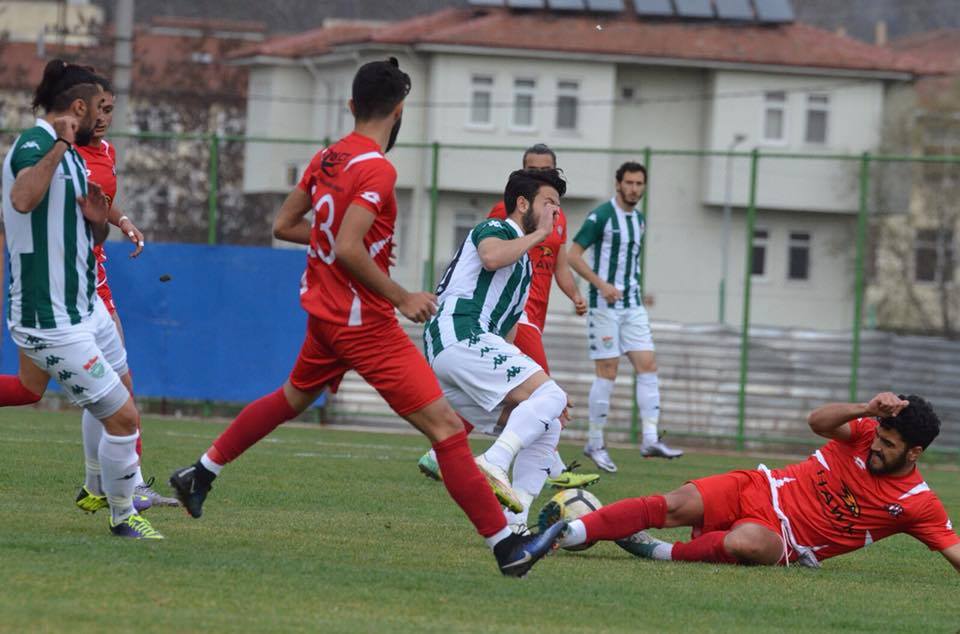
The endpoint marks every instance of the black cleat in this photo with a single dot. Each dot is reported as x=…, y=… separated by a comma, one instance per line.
x=191, y=485
x=517, y=554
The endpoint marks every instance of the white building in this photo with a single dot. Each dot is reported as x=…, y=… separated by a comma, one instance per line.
x=583, y=82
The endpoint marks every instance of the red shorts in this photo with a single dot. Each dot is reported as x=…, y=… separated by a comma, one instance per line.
x=381, y=353
x=734, y=498
x=530, y=342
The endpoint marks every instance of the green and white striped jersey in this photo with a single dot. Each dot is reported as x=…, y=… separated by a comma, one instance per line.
x=615, y=236
x=474, y=300
x=52, y=266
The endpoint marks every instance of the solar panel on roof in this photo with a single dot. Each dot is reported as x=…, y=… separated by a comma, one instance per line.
x=486, y=3
x=694, y=8
x=653, y=7
x=567, y=5
x=774, y=10
x=525, y=4
x=605, y=6
x=734, y=9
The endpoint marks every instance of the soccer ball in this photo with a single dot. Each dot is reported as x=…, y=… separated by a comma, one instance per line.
x=575, y=503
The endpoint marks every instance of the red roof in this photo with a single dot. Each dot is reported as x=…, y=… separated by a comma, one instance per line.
x=795, y=44
x=940, y=49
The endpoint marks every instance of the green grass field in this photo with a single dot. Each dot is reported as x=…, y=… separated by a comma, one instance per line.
x=334, y=531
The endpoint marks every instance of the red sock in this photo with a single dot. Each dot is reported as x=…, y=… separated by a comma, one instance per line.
x=12, y=391
x=467, y=486
x=707, y=548
x=466, y=425
x=257, y=419
x=626, y=517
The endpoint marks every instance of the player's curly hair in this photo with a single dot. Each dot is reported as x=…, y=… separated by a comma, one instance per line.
x=377, y=89
x=631, y=166
x=916, y=423
x=63, y=83
x=527, y=183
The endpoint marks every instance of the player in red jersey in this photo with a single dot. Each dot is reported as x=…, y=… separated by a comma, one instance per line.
x=862, y=486
x=29, y=385
x=351, y=299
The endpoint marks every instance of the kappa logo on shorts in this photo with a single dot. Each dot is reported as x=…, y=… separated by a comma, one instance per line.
x=53, y=360
x=95, y=368
x=65, y=375
x=513, y=372
x=484, y=350
x=78, y=389
x=499, y=360
x=608, y=342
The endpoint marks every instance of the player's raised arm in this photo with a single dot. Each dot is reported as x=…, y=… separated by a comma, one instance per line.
x=291, y=222
x=352, y=254
x=830, y=421
x=33, y=178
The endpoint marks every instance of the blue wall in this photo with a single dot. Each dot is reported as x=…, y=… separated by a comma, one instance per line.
x=226, y=327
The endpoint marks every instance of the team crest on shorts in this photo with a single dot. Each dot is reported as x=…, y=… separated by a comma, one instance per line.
x=94, y=367
x=895, y=510
x=608, y=342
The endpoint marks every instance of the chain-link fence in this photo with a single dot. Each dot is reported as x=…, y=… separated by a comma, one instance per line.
x=775, y=281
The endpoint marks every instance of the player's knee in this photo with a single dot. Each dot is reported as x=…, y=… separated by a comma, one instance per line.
x=754, y=545
x=607, y=369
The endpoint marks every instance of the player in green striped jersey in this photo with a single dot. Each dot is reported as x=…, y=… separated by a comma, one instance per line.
x=617, y=321
x=53, y=217
x=481, y=297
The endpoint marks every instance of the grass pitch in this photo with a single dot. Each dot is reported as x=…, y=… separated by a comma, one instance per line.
x=333, y=531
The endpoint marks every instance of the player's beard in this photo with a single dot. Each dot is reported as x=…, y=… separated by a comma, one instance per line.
x=393, y=133
x=84, y=133
x=628, y=200
x=529, y=221
x=885, y=467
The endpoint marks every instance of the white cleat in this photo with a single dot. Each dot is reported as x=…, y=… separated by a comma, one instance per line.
x=601, y=458
x=659, y=450
x=500, y=484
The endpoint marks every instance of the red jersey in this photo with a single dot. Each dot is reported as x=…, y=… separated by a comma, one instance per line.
x=835, y=505
x=101, y=163
x=352, y=171
x=543, y=259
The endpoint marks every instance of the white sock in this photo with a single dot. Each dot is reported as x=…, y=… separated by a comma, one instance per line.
x=648, y=399
x=558, y=466
x=118, y=464
x=528, y=421
x=598, y=410
x=663, y=552
x=139, y=478
x=210, y=465
x=91, y=429
x=575, y=534
x=532, y=466
x=501, y=535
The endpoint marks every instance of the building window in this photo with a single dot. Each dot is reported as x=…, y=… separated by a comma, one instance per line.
x=568, y=104
x=774, y=116
x=760, y=239
x=818, y=110
x=523, y=92
x=481, y=100
x=798, y=254
x=293, y=173
x=463, y=224
x=933, y=256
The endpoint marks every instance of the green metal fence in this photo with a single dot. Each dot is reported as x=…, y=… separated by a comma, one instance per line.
x=210, y=148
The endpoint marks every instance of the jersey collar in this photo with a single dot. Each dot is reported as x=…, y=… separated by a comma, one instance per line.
x=613, y=201
x=516, y=228
x=42, y=123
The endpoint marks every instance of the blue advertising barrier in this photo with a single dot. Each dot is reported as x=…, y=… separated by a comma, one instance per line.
x=227, y=325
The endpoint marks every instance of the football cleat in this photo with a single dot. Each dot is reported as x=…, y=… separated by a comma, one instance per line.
x=91, y=502
x=570, y=480
x=428, y=466
x=500, y=484
x=135, y=527
x=549, y=515
x=156, y=499
x=659, y=450
x=641, y=544
x=517, y=554
x=601, y=458
x=191, y=487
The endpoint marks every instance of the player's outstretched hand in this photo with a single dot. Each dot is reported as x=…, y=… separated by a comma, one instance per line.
x=886, y=404
x=95, y=204
x=418, y=307
x=133, y=234
x=611, y=293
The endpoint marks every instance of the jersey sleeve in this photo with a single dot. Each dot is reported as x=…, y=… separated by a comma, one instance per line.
x=932, y=526
x=491, y=228
x=499, y=211
x=307, y=180
x=30, y=148
x=862, y=430
x=591, y=232
x=374, y=185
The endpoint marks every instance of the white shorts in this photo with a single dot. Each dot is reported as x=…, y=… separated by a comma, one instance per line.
x=612, y=332
x=477, y=374
x=87, y=360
